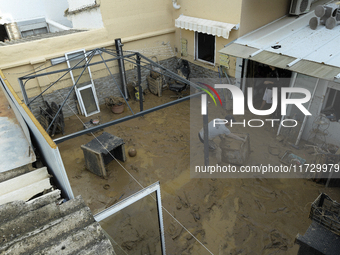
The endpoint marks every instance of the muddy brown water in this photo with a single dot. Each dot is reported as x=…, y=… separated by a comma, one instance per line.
x=228, y=216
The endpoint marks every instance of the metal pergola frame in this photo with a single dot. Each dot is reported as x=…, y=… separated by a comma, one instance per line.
x=132, y=57
x=141, y=62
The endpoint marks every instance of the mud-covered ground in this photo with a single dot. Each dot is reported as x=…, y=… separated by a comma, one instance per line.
x=227, y=215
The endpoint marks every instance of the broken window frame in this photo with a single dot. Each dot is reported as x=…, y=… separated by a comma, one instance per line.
x=134, y=198
x=80, y=99
x=81, y=87
x=197, y=48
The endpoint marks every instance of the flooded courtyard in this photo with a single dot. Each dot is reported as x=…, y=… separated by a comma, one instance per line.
x=255, y=215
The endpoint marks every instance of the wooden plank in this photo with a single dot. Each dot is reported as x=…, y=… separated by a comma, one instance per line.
x=27, y=192
x=23, y=180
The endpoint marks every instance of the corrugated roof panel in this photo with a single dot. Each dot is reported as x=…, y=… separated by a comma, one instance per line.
x=238, y=50
x=204, y=26
x=315, y=41
x=317, y=51
x=329, y=51
x=273, y=59
x=44, y=226
x=304, y=66
x=288, y=43
x=316, y=69
x=270, y=33
x=334, y=61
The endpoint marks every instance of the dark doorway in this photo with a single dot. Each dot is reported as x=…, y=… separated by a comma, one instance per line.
x=258, y=73
x=205, y=47
x=3, y=33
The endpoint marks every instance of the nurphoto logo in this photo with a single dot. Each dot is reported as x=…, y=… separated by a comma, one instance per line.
x=238, y=104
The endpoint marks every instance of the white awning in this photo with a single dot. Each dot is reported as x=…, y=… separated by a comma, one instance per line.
x=205, y=26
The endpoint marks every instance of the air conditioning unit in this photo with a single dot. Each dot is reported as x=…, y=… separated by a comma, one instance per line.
x=298, y=7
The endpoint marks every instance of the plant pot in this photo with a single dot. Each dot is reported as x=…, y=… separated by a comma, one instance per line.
x=118, y=108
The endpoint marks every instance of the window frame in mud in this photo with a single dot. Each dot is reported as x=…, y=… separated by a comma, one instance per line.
x=134, y=198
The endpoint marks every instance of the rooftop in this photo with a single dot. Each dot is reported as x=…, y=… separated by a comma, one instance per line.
x=41, y=36
x=16, y=150
x=290, y=43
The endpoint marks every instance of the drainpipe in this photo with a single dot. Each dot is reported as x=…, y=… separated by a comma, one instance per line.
x=245, y=69
x=175, y=5
x=119, y=51
x=292, y=83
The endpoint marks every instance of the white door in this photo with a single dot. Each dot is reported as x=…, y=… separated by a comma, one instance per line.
x=85, y=90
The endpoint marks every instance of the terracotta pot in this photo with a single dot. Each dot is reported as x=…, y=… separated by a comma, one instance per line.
x=118, y=108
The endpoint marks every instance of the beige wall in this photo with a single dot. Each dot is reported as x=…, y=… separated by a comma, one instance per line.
x=140, y=24
x=256, y=14
x=123, y=18
x=37, y=85
x=228, y=11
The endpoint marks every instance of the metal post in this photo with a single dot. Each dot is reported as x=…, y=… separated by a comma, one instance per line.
x=139, y=83
x=114, y=80
x=306, y=116
x=292, y=82
x=23, y=91
x=119, y=50
x=245, y=68
x=206, y=136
